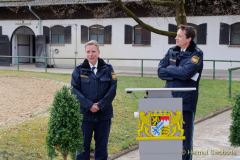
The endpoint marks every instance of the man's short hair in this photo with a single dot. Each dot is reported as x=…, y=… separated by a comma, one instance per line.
x=92, y=42
x=189, y=31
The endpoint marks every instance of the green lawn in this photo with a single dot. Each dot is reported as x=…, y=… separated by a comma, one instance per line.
x=27, y=140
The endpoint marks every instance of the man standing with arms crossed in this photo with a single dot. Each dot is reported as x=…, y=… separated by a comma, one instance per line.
x=181, y=68
x=94, y=83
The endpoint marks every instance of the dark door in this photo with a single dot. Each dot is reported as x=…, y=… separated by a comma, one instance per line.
x=23, y=48
x=40, y=51
x=5, y=50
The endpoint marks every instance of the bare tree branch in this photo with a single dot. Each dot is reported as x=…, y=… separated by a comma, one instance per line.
x=140, y=22
x=14, y=9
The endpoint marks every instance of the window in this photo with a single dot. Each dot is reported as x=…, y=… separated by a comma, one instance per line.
x=200, y=37
x=59, y=34
x=102, y=35
x=137, y=35
x=96, y=32
x=229, y=34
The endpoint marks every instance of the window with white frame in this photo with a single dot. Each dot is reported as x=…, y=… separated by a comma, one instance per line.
x=137, y=35
x=96, y=32
x=101, y=34
x=57, y=35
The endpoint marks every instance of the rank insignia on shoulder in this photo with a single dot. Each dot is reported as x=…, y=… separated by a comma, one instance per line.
x=114, y=76
x=195, y=59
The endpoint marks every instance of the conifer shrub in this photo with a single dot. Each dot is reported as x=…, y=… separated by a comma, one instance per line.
x=64, y=133
x=235, y=126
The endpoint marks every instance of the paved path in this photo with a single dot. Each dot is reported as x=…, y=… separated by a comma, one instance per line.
x=210, y=141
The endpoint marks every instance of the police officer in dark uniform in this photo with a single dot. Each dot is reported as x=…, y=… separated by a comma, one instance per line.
x=94, y=83
x=181, y=68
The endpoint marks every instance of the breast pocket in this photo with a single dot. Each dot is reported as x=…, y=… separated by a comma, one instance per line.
x=85, y=80
x=105, y=83
x=85, y=84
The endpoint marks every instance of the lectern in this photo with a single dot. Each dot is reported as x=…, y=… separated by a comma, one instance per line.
x=160, y=132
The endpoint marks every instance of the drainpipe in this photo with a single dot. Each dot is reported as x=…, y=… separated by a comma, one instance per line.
x=39, y=22
x=76, y=52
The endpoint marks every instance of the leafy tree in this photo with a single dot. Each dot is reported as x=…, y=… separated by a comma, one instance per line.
x=235, y=126
x=64, y=132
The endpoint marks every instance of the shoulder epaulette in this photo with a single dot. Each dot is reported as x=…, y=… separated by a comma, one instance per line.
x=198, y=49
x=79, y=65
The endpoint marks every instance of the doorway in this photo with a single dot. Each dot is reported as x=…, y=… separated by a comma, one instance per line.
x=23, y=45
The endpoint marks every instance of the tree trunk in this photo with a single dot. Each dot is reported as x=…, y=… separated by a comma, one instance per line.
x=180, y=12
x=65, y=156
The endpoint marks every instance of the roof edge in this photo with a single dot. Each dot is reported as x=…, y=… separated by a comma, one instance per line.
x=14, y=3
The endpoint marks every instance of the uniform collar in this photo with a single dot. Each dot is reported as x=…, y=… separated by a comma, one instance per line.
x=191, y=47
x=183, y=50
x=100, y=64
x=93, y=65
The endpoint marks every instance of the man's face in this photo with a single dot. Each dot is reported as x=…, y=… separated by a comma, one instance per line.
x=92, y=54
x=181, y=40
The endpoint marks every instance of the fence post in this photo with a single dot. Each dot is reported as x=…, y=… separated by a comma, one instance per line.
x=141, y=67
x=45, y=64
x=75, y=62
x=229, y=83
x=214, y=66
x=17, y=63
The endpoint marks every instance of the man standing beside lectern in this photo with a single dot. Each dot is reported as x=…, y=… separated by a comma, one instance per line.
x=181, y=68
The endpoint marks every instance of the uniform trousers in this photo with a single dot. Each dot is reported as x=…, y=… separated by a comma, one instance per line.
x=188, y=126
x=101, y=130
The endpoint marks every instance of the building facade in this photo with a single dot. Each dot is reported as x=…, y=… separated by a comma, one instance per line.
x=119, y=37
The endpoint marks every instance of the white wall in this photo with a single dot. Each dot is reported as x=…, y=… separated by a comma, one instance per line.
x=157, y=49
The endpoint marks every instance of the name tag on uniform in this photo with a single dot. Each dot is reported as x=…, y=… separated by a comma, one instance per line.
x=83, y=76
x=173, y=60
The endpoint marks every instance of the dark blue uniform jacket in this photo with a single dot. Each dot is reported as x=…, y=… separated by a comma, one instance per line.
x=177, y=68
x=90, y=88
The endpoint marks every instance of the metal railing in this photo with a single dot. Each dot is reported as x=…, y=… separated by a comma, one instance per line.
x=230, y=70
x=46, y=59
x=214, y=64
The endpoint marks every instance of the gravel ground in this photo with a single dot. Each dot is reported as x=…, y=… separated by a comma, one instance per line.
x=24, y=97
